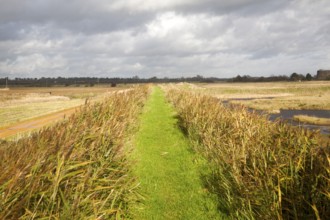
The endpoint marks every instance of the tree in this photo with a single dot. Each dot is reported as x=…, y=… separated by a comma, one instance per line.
x=294, y=77
x=238, y=78
x=297, y=77
x=309, y=77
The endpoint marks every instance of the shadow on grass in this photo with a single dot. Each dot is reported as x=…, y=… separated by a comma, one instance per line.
x=209, y=177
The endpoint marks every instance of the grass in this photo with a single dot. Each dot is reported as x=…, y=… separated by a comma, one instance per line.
x=312, y=120
x=169, y=172
x=260, y=169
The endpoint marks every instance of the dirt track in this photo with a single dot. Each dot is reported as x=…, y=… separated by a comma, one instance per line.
x=36, y=123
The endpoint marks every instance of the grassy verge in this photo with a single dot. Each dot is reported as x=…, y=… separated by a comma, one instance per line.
x=167, y=169
x=312, y=120
x=260, y=169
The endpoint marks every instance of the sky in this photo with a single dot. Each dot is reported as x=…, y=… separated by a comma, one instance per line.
x=172, y=38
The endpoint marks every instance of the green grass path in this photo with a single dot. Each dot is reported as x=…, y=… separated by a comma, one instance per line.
x=167, y=169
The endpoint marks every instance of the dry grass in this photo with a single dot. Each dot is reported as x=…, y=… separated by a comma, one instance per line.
x=286, y=95
x=260, y=169
x=312, y=120
x=19, y=104
x=70, y=92
x=76, y=169
x=20, y=111
x=289, y=102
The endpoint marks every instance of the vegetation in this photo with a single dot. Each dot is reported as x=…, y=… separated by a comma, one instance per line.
x=294, y=103
x=168, y=171
x=18, y=93
x=22, y=111
x=273, y=96
x=94, y=81
x=312, y=120
x=234, y=164
x=76, y=169
x=19, y=104
x=260, y=169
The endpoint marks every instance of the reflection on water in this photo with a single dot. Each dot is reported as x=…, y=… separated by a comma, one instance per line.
x=287, y=116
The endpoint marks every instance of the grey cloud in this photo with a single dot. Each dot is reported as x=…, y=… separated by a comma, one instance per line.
x=94, y=16
x=163, y=38
x=10, y=31
x=86, y=17
x=242, y=7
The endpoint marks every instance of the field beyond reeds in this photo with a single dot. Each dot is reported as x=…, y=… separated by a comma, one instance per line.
x=23, y=103
x=273, y=96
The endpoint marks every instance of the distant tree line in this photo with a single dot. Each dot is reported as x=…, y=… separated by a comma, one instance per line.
x=92, y=81
x=292, y=77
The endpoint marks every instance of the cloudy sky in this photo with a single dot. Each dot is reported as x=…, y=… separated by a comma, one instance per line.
x=163, y=38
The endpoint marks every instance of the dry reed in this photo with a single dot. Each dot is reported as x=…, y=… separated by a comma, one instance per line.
x=260, y=169
x=76, y=169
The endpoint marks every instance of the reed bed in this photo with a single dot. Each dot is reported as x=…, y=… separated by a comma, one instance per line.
x=76, y=169
x=260, y=169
